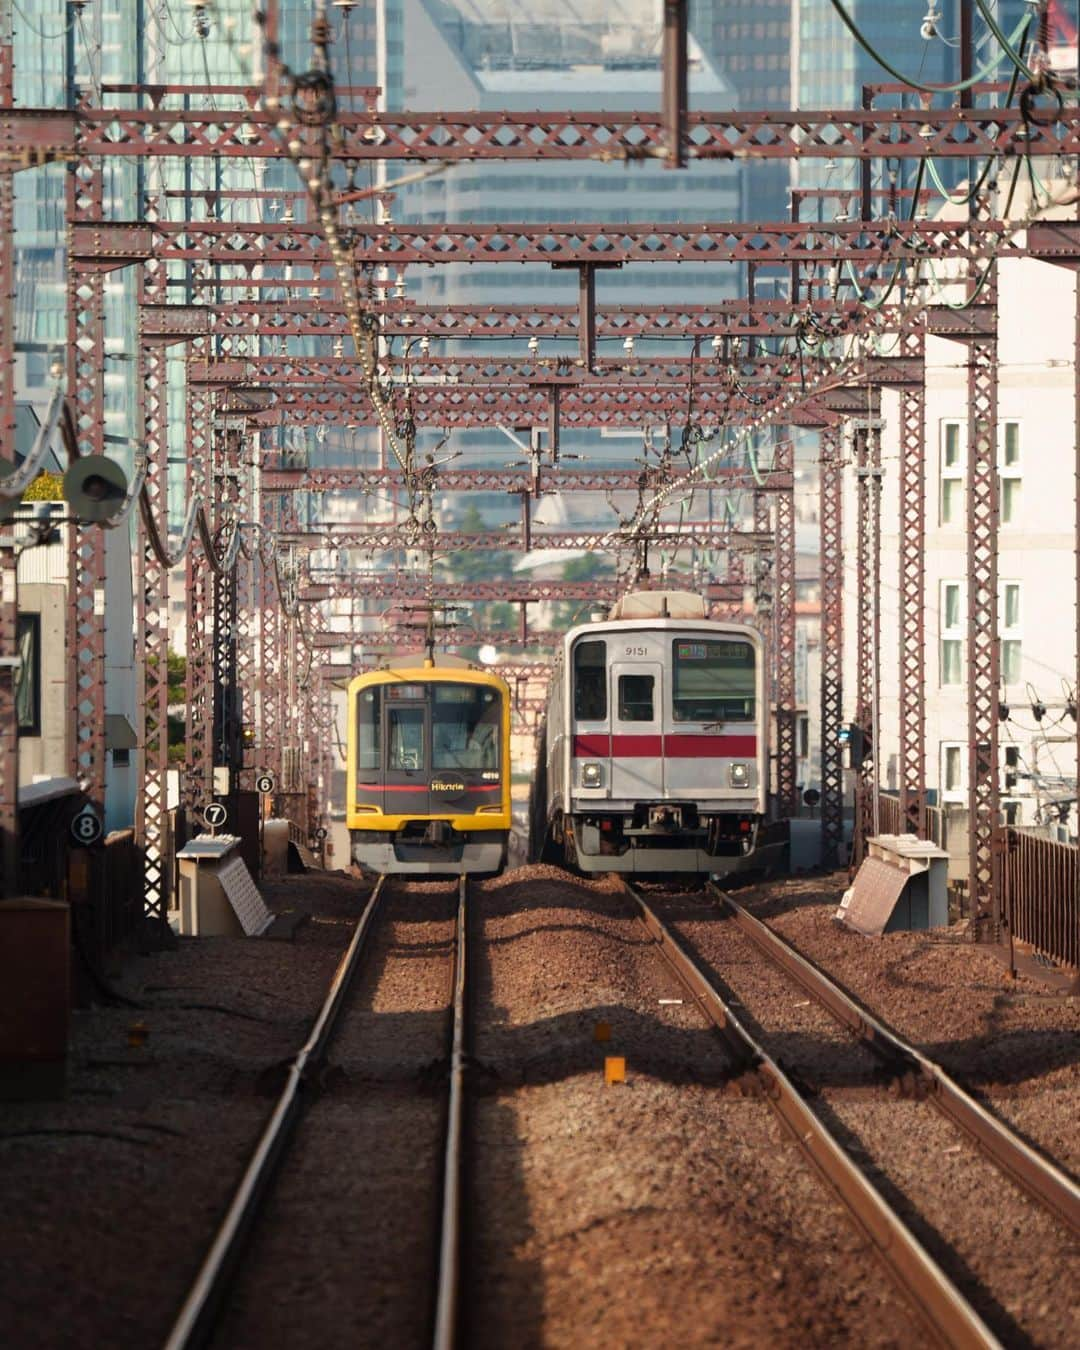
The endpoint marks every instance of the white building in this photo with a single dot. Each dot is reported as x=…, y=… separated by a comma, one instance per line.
x=1036, y=558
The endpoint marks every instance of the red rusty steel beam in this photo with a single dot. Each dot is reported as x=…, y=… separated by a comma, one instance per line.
x=249, y=131
x=594, y=405
x=363, y=535
x=279, y=478
x=289, y=316
x=279, y=243
x=448, y=634
x=654, y=373
x=403, y=587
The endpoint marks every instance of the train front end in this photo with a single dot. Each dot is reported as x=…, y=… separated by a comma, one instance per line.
x=429, y=769
x=666, y=751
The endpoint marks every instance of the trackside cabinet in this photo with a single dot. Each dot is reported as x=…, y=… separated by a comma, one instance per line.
x=35, y=997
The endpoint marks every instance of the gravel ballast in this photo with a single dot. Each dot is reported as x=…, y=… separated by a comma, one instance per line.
x=1014, y=1042
x=1000, y=1248
x=662, y=1211
x=668, y=1209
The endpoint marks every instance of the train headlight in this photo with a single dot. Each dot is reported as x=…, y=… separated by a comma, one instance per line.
x=738, y=775
x=592, y=775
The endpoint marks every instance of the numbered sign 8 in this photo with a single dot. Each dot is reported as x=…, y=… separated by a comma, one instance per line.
x=86, y=826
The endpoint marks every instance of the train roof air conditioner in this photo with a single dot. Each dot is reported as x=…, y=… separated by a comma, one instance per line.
x=659, y=605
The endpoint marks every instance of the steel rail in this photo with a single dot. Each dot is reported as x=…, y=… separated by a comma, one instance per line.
x=449, y=1276
x=196, y=1318
x=1043, y=1180
x=946, y=1312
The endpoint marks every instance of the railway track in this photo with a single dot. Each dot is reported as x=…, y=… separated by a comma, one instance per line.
x=947, y=1312
x=200, y=1317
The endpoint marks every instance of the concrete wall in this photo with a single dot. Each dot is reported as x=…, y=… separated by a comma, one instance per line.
x=43, y=589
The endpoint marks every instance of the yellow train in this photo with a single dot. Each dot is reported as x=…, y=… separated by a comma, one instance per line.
x=429, y=768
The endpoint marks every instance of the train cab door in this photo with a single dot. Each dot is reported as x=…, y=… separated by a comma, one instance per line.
x=407, y=740
x=637, y=709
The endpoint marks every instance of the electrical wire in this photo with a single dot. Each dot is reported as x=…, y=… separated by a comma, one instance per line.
x=39, y=32
x=978, y=78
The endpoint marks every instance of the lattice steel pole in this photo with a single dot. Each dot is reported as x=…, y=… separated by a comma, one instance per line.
x=9, y=735
x=152, y=613
x=765, y=615
x=784, y=637
x=246, y=652
x=982, y=634
x=199, y=755
x=270, y=701
x=832, y=646
x=912, y=584
x=86, y=547
x=868, y=636
x=227, y=728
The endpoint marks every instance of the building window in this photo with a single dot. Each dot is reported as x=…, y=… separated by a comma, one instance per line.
x=1011, y=633
x=28, y=679
x=952, y=772
x=952, y=473
x=951, y=627
x=121, y=758
x=1009, y=468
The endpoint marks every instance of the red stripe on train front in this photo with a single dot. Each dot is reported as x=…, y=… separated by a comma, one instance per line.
x=422, y=787
x=710, y=747
x=672, y=747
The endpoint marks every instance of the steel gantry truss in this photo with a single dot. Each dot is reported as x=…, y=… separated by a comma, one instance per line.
x=258, y=605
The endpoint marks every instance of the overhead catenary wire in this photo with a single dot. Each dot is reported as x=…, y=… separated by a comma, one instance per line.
x=985, y=73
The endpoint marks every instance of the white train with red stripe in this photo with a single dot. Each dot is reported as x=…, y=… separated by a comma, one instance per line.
x=653, y=757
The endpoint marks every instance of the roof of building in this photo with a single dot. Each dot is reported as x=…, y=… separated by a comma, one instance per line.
x=583, y=47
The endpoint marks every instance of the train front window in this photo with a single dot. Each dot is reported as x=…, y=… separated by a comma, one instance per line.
x=635, y=698
x=465, y=720
x=405, y=739
x=590, y=681
x=714, y=681
x=368, y=728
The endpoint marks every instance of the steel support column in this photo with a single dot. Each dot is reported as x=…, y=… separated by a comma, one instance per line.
x=152, y=618
x=982, y=639
x=784, y=637
x=587, y=315
x=832, y=646
x=227, y=740
x=199, y=751
x=868, y=636
x=676, y=21
x=9, y=736
x=912, y=586
x=246, y=628
x=86, y=544
x=764, y=616
x=271, y=707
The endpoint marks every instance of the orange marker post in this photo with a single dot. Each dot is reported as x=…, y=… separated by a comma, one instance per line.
x=614, y=1069
x=601, y=1032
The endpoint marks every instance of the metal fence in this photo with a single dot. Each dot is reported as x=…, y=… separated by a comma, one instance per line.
x=888, y=814
x=1041, y=896
x=934, y=826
